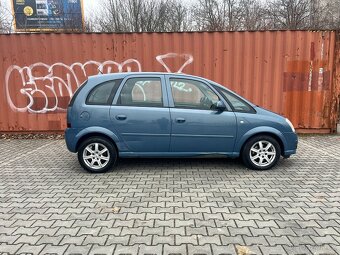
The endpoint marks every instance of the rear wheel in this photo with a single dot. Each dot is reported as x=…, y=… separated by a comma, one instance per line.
x=97, y=155
x=261, y=153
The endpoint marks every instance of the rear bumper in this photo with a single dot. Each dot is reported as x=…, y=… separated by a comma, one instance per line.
x=291, y=144
x=70, y=139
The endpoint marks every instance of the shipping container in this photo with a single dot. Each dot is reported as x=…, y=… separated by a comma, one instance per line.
x=293, y=73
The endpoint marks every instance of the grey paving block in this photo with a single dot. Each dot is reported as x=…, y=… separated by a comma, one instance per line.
x=199, y=249
x=10, y=248
x=78, y=249
x=76, y=240
x=140, y=240
x=100, y=240
x=123, y=240
x=321, y=249
x=52, y=240
x=150, y=249
x=31, y=249
x=255, y=240
x=174, y=249
x=274, y=250
x=124, y=250
x=54, y=249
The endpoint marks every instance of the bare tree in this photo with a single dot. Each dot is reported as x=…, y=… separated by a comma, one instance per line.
x=331, y=14
x=6, y=20
x=288, y=14
x=217, y=15
x=141, y=16
x=178, y=17
x=253, y=15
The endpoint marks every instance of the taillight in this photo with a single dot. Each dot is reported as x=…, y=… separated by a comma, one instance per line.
x=68, y=125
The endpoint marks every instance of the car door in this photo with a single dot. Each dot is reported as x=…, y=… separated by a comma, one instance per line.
x=195, y=127
x=140, y=114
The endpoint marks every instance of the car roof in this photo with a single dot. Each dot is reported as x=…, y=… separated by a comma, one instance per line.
x=124, y=74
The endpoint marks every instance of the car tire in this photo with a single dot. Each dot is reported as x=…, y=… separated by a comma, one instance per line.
x=97, y=155
x=261, y=152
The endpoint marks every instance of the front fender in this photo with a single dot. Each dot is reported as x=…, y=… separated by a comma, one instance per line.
x=259, y=130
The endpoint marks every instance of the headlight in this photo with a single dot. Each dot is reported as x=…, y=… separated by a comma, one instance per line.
x=290, y=124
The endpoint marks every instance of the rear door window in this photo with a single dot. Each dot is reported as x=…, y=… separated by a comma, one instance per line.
x=141, y=92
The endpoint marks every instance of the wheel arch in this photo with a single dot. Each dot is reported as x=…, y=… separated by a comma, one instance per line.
x=277, y=135
x=101, y=132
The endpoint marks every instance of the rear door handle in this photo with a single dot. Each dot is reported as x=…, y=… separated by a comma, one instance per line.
x=180, y=120
x=121, y=117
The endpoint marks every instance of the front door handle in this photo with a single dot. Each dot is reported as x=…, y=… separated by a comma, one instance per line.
x=121, y=117
x=180, y=120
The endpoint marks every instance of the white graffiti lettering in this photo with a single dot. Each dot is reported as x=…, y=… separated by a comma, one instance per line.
x=48, y=88
x=187, y=57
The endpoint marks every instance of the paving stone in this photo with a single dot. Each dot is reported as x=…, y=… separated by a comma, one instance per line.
x=30, y=249
x=9, y=248
x=77, y=240
x=255, y=240
x=100, y=240
x=226, y=240
x=123, y=240
x=68, y=231
x=140, y=240
x=278, y=240
x=88, y=231
x=78, y=249
x=320, y=240
x=321, y=249
x=199, y=249
x=9, y=239
x=174, y=249
x=186, y=240
x=53, y=240
x=150, y=249
x=54, y=249
x=215, y=239
x=275, y=250
x=127, y=250
x=223, y=249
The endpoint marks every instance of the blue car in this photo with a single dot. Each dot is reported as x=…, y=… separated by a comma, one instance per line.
x=171, y=115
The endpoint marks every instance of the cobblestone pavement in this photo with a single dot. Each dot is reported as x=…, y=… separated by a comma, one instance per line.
x=48, y=204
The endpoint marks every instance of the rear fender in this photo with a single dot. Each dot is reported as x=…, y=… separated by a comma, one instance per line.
x=100, y=130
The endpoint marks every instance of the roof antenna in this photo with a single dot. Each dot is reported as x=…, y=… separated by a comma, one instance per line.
x=100, y=70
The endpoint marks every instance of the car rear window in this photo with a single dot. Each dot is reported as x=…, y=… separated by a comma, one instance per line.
x=76, y=93
x=103, y=93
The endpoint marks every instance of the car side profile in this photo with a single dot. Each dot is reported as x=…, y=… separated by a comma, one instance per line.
x=171, y=115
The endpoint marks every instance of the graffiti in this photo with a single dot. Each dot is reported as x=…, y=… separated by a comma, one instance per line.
x=47, y=88
x=187, y=57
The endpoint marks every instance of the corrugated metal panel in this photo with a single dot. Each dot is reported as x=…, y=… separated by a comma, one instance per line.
x=288, y=72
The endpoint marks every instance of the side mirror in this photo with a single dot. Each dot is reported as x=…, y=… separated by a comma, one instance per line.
x=218, y=106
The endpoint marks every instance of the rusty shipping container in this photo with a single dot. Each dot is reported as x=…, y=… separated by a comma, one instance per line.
x=293, y=73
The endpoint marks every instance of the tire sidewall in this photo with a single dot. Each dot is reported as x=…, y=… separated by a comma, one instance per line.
x=111, y=148
x=246, y=152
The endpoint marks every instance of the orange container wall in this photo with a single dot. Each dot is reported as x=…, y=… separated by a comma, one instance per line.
x=289, y=72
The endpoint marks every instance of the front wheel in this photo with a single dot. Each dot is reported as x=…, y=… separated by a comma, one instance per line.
x=97, y=155
x=261, y=153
